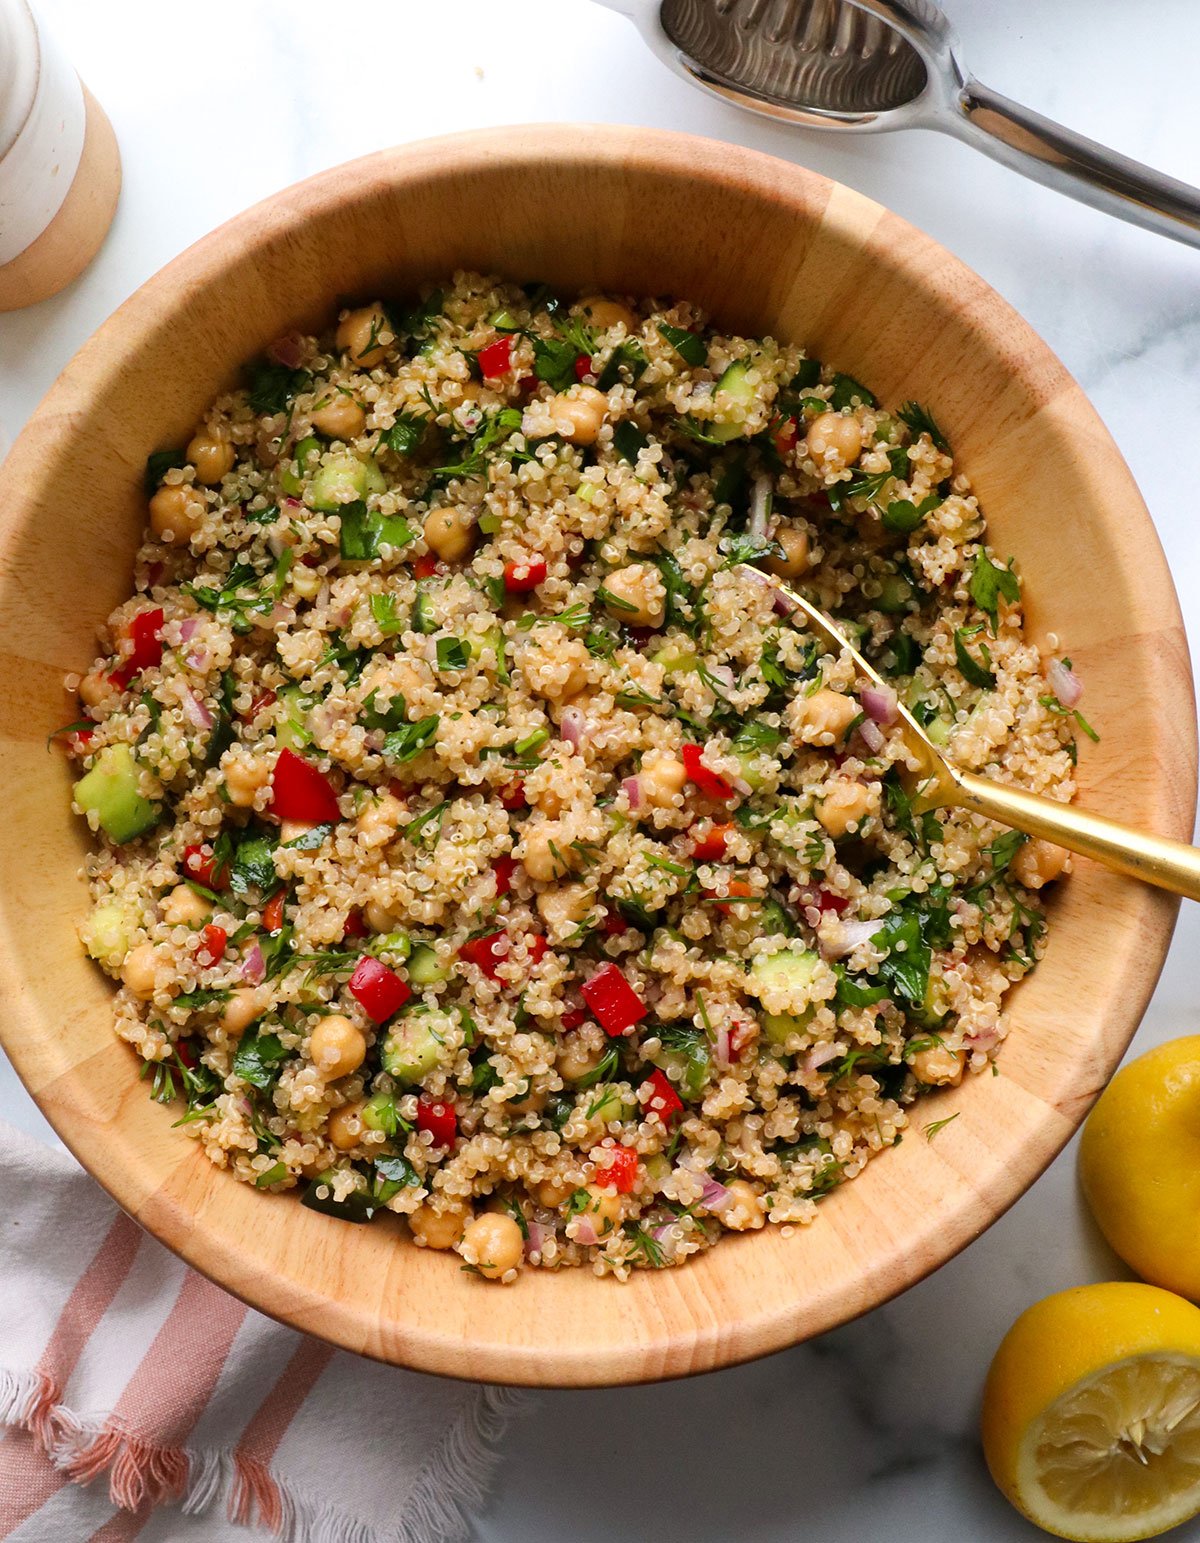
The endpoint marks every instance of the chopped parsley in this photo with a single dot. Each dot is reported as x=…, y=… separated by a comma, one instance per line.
x=921, y=421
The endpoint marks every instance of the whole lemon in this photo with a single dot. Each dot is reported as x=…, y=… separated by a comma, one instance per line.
x=1139, y=1163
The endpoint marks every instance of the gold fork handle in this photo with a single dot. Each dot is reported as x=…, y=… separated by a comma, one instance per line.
x=1170, y=864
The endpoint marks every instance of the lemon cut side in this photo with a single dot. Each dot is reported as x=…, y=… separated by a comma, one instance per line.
x=1118, y=1457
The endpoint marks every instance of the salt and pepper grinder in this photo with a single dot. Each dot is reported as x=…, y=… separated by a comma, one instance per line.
x=60, y=170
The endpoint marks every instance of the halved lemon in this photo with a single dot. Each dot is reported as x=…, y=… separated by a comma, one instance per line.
x=1091, y=1413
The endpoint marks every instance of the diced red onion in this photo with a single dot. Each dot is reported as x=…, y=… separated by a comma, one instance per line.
x=287, y=350
x=721, y=1047
x=573, y=728
x=659, y=1233
x=741, y=786
x=198, y=659
x=539, y=1234
x=254, y=967
x=784, y=604
x=279, y=537
x=188, y=627
x=724, y=675
x=879, y=704
x=293, y=503
x=585, y=1233
x=195, y=710
x=713, y=1194
x=837, y=943
x=871, y=735
x=633, y=792
x=1064, y=683
x=818, y=1055
x=760, y=508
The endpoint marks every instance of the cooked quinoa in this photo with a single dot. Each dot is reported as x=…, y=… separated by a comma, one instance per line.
x=480, y=840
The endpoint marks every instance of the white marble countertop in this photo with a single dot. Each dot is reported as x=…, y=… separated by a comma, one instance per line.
x=869, y=1433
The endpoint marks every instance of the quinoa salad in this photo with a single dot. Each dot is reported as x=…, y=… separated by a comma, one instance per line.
x=479, y=839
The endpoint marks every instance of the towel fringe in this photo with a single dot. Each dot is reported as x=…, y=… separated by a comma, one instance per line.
x=457, y=1476
x=27, y=1399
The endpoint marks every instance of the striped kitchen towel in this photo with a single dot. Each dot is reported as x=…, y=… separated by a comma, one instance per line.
x=138, y=1400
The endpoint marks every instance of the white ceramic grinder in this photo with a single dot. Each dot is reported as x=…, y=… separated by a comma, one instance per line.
x=60, y=170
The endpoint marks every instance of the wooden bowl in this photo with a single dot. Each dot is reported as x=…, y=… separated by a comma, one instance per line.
x=766, y=247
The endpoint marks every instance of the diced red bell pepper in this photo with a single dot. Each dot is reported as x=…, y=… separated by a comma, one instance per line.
x=709, y=782
x=200, y=863
x=512, y=794
x=355, y=926
x=261, y=701
x=619, y=1167
x=828, y=901
x=784, y=434
x=614, y=924
x=663, y=1100
x=527, y=383
x=272, y=914
x=183, y=1049
x=379, y=991
x=521, y=577
x=398, y=790
x=487, y=952
x=300, y=792
x=145, y=634
x=740, y=1035
x=211, y=947
x=708, y=844
x=572, y=1019
x=583, y=366
x=536, y=944
x=439, y=1120
x=425, y=566
x=503, y=868
x=495, y=358
x=736, y=889
x=613, y=1001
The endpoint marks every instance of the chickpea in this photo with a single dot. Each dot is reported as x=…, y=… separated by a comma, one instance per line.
x=94, y=687
x=493, y=1243
x=638, y=595
x=823, y=718
x=557, y=668
x=211, y=453
x=450, y=532
x=579, y=1055
x=339, y=415
x=599, y=311
x=603, y=1210
x=177, y=513
x=661, y=777
x=742, y=1208
x=365, y=335
x=578, y=414
x=1038, y=862
x=795, y=560
x=436, y=1229
x=292, y=830
x=139, y=970
x=835, y=439
x=564, y=908
x=532, y=1101
x=183, y=907
x=245, y=1005
x=938, y=1067
x=345, y=1127
x=849, y=803
x=551, y=1192
x=337, y=1047
x=380, y=820
x=245, y=776
x=378, y=918
x=546, y=851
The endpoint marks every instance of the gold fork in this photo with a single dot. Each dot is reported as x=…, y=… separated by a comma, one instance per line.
x=1157, y=860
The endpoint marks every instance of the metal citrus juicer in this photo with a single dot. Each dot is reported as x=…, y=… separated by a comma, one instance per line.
x=867, y=65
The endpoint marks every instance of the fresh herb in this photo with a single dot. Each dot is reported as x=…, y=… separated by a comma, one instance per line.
x=416, y=829
x=855, y=992
x=272, y=386
x=615, y=602
x=204, y=996
x=847, y=391
x=415, y=322
x=645, y=1245
x=693, y=1051
x=383, y=609
x=272, y=1175
x=158, y=463
x=732, y=479
x=902, y=516
x=310, y=840
x=392, y=1174
x=627, y=358
x=974, y=673
x=920, y=420
x=746, y=548
x=688, y=345
x=258, y=1058
x=407, y=743
x=903, y=654
x=394, y=716
x=554, y=361
x=755, y=735
x=364, y=532
x=989, y=582
x=932, y=1129
x=602, y=1071
x=1052, y=704
x=629, y=441
x=452, y=654
x=484, y=1076
x=265, y=516
x=406, y=434
x=807, y=376
x=867, y=485
x=253, y=864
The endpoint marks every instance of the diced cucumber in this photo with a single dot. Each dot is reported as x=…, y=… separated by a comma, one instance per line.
x=782, y=971
x=731, y=423
x=604, y=1103
x=423, y=619
x=305, y=456
x=379, y=1113
x=343, y=479
x=293, y=731
x=779, y=1027
x=657, y=1165
x=676, y=659
x=106, y=932
x=424, y=967
x=749, y=761
x=411, y=1049
x=358, y=1206
x=111, y=790
x=493, y=638
x=396, y=944
x=894, y=594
